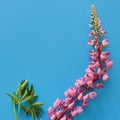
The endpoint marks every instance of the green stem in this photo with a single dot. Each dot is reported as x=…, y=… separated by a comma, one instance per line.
x=18, y=110
x=22, y=118
x=15, y=116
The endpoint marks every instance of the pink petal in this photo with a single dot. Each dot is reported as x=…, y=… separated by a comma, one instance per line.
x=71, y=105
x=105, y=43
x=80, y=97
x=85, y=98
x=109, y=65
x=100, y=72
x=105, y=77
x=63, y=118
x=59, y=114
x=99, y=85
x=91, y=42
x=53, y=117
x=92, y=95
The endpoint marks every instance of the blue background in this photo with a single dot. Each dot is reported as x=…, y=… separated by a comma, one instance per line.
x=45, y=41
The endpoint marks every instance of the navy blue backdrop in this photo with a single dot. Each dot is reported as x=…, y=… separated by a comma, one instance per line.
x=45, y=41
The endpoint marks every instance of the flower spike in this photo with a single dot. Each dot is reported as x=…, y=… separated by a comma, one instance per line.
x=83, y=89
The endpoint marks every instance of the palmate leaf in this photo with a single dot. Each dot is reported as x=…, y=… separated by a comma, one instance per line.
x=34, y=108
x=25, y=98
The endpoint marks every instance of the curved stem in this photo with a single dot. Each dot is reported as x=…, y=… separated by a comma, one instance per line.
x=99, y=50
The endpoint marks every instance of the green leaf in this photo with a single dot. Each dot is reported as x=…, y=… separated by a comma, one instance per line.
x=25, y=109
x=13, y=98
x=37, y=112
x=22, y=86
x=37, y=104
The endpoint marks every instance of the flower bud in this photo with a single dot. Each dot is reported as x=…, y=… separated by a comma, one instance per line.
x=91, y=42
x=103, y=31
x=105, y=43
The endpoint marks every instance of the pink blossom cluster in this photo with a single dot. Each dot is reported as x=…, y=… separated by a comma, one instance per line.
x=83, y=89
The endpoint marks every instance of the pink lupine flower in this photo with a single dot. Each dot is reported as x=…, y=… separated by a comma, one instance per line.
x=71, y=92
x=109, y=64
x=97, y=68
x=92, y=51
x=100, y=29
x=63, y=118
x=79, y=82
x=67, y=101
x=77, y=85
x=104, y=55
x=100, y=72
x=97, y=46
x=73, y=113
x=97, y=64
x=92, y=64
x=92, y=33
x=91, y=42
x=90, y=69
x=51, y=111
x=71, y=105
x=98, y=21
x=76, y=111
x=105, y=43
x=90, y=84
x=66, y=94
x=99, y=85
x=92, y=95
x=79, y=109
x=105, y=77
x=85, y=104
x=103, y=31
x=91, y=76
x=58, y=103
x=70, y=118
x=80, y=96
x=59, y=113
x=93, y=55
x=53, y=117
x=86, y=77
x=85, y=98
